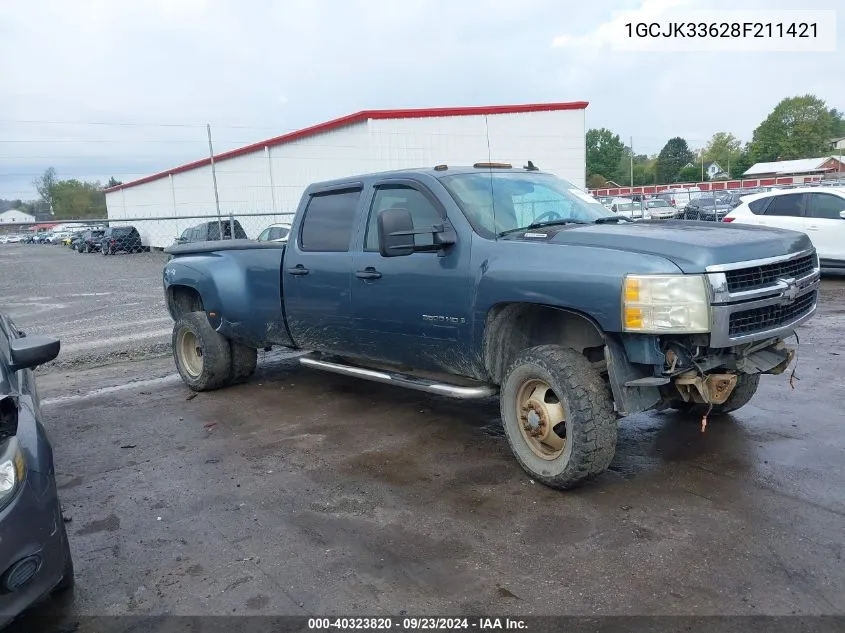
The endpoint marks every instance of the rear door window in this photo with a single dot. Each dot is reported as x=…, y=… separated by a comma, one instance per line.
x=329, y=221
x=826, y=206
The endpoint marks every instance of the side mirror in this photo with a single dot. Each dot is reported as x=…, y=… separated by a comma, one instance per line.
x=29, y=352
x=842, y=214
x=395, y=233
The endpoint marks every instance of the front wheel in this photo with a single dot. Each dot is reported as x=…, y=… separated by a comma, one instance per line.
x=558, y=416
x=203, y=357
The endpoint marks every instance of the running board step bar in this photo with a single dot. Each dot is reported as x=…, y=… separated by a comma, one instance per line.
x=402, y=380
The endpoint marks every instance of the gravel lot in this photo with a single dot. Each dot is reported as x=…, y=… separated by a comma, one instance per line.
x=310, y=493
x=102, y=308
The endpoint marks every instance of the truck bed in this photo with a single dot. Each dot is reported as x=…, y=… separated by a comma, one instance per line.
x=240, y=283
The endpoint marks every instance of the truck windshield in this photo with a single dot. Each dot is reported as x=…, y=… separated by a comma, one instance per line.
x=497, y=203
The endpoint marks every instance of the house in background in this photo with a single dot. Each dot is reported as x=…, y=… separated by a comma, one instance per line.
x=838, y=144
x=715, y=172
x=11, y=221
x=712, y=171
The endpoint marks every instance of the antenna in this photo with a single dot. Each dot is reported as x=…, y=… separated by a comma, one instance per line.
x=490, y=167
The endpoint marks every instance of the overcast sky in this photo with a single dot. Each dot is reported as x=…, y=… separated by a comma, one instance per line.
x=99, y=88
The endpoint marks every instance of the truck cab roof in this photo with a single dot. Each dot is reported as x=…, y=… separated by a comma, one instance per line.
x=437, y=171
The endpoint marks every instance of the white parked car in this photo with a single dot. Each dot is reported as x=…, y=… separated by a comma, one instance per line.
x=659, y=209
x=275, y=233
x=817, y=211
x=627, y=208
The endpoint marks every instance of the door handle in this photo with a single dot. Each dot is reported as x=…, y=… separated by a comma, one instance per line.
x=298, y=270
x=368, y=273
x=813, y=227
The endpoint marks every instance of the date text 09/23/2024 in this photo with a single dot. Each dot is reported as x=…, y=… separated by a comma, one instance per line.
x=417, y=624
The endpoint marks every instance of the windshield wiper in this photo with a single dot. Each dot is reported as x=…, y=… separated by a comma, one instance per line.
x=538, y=225
x=611, y=219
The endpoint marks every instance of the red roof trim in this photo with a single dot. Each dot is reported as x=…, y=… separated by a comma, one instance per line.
x=359, y=117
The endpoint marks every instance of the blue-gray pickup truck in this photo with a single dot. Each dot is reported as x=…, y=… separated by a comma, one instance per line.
x=476, y=281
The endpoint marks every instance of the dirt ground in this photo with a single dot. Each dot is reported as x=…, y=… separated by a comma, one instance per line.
x=103, y=308
x=308, y=493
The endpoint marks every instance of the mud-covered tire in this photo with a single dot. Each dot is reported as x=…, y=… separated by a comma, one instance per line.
x=68, y=579
x=203, y=356
x=590, y=420
x=746, y=387
x=244, y=361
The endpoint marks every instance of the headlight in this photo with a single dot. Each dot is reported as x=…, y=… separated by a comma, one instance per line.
x=656, y=304
x=12, y=471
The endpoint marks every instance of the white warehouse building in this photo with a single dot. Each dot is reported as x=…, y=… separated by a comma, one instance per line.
x=268, y=177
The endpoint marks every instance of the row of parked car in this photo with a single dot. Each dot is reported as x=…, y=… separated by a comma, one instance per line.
x=677, y=204
x=111, y=240
x=106, y=240
x=817, y=210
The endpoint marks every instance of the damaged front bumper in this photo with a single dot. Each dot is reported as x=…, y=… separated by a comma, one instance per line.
x=755, y=306
x=680, y=371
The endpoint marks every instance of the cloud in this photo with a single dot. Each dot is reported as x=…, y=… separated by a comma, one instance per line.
x=606, y=33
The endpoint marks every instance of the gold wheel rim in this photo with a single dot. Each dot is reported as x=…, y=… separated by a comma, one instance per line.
x=542, y=419
x=190, y=353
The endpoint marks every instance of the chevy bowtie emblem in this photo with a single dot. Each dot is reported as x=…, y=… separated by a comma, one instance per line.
x=790, y=292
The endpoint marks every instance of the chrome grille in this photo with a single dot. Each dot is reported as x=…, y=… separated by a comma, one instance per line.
x=767, y=275
x=771, y=316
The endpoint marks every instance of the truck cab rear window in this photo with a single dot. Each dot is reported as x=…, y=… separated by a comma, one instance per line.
x=329, y=221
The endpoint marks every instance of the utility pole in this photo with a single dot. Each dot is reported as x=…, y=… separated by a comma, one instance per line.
x=214, y=179
x=702, y=166
x=632, y=162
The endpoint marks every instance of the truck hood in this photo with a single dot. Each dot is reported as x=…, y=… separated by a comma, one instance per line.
x=692, y=246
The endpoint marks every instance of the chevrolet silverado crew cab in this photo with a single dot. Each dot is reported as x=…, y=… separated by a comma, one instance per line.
x=476, y=281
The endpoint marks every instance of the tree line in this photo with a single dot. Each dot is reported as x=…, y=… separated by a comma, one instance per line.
x=798, y=127
x=69, y=199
